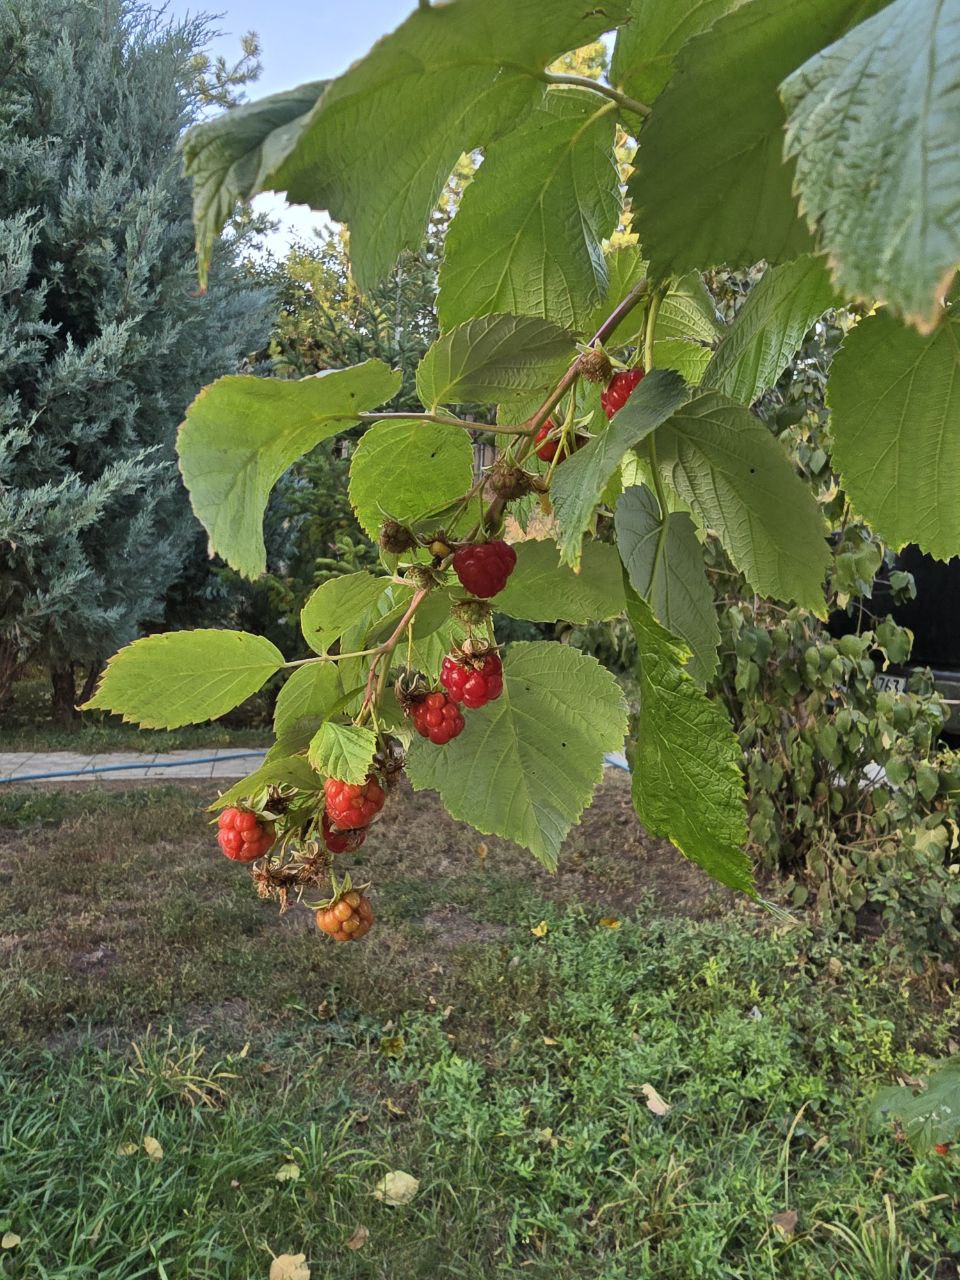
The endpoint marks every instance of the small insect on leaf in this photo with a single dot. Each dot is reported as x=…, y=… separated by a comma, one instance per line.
x=359, y=1238
x=396, y=1188
x=288, y=1172
x=540, y=930
x=153, y=1148
x=655, y=1103
x=289, y=1266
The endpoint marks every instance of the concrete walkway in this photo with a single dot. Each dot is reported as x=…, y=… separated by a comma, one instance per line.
x=134, y=766
x=128, y=766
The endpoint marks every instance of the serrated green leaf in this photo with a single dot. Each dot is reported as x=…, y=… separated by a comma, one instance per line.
x=527, y=238
x=647, y=44
x=494, y=360
x=293, y=772
x=895, y=401
x=450, y=79
x=929, y=1112
x=873, y=132
x=541, y=589
x=626, y=267
x=231, y=158
x=687, y=781
x=311, y=691
x=184, y=677
x=526, y=765
x=740, y=483
x=242, y=433
x=664, y=563
x=687, y=328
x=408, y=470
x=337, y=605
x=710, y=184
x=579, y=482
x=343, y=751
x=769, y=329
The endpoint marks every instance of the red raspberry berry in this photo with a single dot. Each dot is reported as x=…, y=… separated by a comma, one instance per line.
x=942, y=1148
x=341, y=841
x=474, y=683
x=242, y=836
x=438, y=718
x=353, y=804
x=619, y=390
x=347, y=918
x=484, y=567
x=547, y=449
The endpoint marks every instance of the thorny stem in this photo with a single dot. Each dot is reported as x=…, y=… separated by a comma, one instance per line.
x=584, y=82
x=648, y=337
x=384, y=650
x=444, y=419
x=331, y=657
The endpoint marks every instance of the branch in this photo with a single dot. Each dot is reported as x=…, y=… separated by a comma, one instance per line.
x=388, y=646
x=584, y=82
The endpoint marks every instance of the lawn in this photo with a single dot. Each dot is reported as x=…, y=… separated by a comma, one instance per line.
x=146, y=993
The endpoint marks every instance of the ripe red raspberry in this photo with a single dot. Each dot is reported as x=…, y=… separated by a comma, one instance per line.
x=347, y=918
x=619, y=390
x=341, y=841
x=484, y=567
x=547, y=449
x=242, y=836
x=942, y=1148
x=438, y=718
x=353, y=804
x=473, y=681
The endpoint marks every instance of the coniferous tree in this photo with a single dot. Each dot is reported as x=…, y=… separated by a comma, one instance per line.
x=104, y=339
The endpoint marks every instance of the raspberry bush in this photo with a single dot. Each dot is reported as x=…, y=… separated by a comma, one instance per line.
x=621, y=399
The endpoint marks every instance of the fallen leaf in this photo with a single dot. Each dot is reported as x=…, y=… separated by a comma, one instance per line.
x=550, y=1040
x=127, y=1149
x=392, y=1046
x=153, y=1148
x=834, y=967
x=234, y=1183
x=393, y=1107
x=396, y=1187
x=654, y=1102
x=10, y=1240
x=540, y=930
x=359, y=1238
x=482, y=849
x=289, y=1266
x=609, y=922
x=785, y=1223
x=288, y=1172
x=821, y=1142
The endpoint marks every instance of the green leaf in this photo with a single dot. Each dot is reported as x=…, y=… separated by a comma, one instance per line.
x=626, y=267
x=540, y=589
x=739, y=482
x=579, y=482
x=687, y=328
x=184, y=677
x=647, y=45
x=769, y=329
x=527, y=236
x=526, y=765
x=710, y=184
x=338, y=604
x=242, y=433
x=310, y=692
x=930, y=1112
x=873, y=130
x=687, y=783
x=292, y=772
x=494, y=360
x=895, y=401
x=343, y=751
x=664, y=562
x=408, y=470
x=231, y=158
x=450, y=79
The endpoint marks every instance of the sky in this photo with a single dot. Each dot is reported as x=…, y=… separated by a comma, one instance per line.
x=301, y=40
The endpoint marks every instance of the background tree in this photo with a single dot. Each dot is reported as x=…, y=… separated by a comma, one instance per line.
x=105, y=337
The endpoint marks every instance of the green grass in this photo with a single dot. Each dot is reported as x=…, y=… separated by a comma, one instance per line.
x=508, y=1077
x=27, y=727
